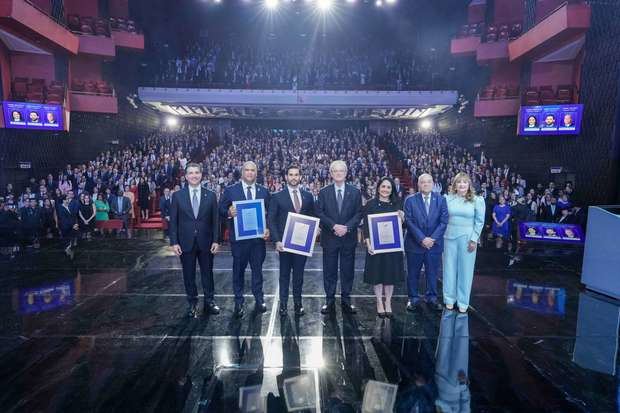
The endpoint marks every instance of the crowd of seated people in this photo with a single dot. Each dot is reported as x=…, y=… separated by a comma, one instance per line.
x=127, y=184
x=235, y=65
x=422, y=152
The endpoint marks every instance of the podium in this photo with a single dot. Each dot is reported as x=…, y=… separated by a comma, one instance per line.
x=601, y=256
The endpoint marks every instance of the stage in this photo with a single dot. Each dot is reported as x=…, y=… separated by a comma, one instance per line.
x=107, y=331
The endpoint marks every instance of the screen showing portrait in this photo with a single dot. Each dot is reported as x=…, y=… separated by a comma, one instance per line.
x=550, y=120
x=25, y=115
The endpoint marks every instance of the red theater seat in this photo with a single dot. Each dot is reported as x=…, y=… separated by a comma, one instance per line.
x=487, y=93
x=503, y=35
x=73, y=21
x=512, y=92
x=515, y=30
x=565, y=93
x=531, y=96
x=547, y=96
x=110, y=224
x=491, y=37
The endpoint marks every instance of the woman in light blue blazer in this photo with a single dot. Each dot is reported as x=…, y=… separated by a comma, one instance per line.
x=465, y=222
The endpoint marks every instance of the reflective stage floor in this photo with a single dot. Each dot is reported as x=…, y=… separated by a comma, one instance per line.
x=106, y=331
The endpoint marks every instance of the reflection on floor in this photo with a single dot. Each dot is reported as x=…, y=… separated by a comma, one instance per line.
x=106, y=331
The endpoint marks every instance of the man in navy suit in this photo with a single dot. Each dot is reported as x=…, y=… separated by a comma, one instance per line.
x=340, y=209
x=164, y=207
x=426, y=216
x=194, y=235
x=290, y=199
x=120, y=207
x=250, y=251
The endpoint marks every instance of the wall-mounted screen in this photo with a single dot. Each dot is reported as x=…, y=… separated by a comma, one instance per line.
x=550, y=120
x=36, y=116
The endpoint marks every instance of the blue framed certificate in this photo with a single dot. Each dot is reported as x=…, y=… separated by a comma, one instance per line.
x=385, y=232
x=250, y=220
x=300, y=233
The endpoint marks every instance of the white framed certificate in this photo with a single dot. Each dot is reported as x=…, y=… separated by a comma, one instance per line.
x=379, y=397
x=385, y=232
x=300, y=234
x=250, y=220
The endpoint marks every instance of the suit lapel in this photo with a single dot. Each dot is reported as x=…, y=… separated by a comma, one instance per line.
x=421, y=205
x=288, y=201
x=203, y=201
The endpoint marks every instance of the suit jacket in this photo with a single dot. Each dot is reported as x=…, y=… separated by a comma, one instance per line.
x=350, y=215
x=234, y=193
x=164, y=206
x=114, y=206
x=31, y=217
x=549, y=216
x=185, y=228
x=279, y=207
x=421, y=225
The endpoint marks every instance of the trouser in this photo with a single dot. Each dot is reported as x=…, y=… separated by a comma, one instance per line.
x=458, y=271
x=431, y=269
x=246, y=252
x=295, y=263
x=188, y=261
x=331, y=256
x=451, y=368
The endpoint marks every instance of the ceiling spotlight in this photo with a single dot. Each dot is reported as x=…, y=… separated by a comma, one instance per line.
x=324, y=5
x=390, y=1
x=379, y=3
x=271, y=4
x=426, y=124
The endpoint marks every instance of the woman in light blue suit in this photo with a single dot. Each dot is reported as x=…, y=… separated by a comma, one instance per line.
x=465, y=222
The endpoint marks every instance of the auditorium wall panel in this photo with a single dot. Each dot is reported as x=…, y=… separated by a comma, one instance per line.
x=33, y=66
x=553, y=74
x=45, y=5
x=508, y=11
x=82, y=7
x=5, y=70
x=504, y=73
x=85, y=68
x=119, y=8
x=544, y=7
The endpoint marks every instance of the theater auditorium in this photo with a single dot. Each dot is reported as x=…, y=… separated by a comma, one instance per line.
x=309, y=206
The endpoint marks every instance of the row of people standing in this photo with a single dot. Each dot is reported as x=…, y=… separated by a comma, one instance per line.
x=431, y=221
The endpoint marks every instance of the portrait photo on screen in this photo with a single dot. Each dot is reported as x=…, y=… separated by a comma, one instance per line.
x=28, y=115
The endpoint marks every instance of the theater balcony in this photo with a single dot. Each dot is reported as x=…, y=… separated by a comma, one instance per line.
x=492, y=51
x=93, y=96
x=465, y=46
x=20, y=16
x=495, y=101
x=128, y=40
x=97, y=45
x=563, y=25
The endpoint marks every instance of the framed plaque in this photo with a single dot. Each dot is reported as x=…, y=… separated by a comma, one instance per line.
x=300, y=233
x=385, y=232
x=250, y=220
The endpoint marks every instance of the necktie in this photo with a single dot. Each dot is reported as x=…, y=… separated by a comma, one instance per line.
x=195, y=203
x=427, y=204
x=249, y=193
x=296, y=201
x=339, y=200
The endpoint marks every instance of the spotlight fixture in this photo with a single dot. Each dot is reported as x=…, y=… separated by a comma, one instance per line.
x=379, y=3
x=426, y=124
x=271, y=4
x=324, y=5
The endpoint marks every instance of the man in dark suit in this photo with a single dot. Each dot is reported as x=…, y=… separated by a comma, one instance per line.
x=290, y=199
x=120, y=207
x=400, y=190
x=426, y=216
x=551, y=213
x=164, y=207
x=31, y=222
x=246, y=251
x=194, y=235
x=340, y=209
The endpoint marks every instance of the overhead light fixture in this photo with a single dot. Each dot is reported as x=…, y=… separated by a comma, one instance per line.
x=271, y=4
x=426, y=124
x=172, y=121
x=324, y=5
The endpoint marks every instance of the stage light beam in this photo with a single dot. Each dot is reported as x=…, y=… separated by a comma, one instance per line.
x=426, y=124
x=324, y=5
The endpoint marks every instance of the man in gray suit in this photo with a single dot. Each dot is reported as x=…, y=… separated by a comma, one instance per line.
x=120, y=207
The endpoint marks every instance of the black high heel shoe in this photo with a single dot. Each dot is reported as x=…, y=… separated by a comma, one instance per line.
x=381, y=314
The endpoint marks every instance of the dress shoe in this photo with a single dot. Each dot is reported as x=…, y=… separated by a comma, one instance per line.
x=463, y=310
x=412, y=306
x=450, y=307
x=192, y=311
x=389, y=314
x=434, y=305
x=260, y=308
x=283, y=311
x=238, y=313
x=348, y=308
x=299, y=310
x=328, y=309
x=212, y=308
x=381, y=314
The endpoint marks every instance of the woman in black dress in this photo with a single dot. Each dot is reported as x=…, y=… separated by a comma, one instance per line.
x=383, y=270
x=144, y=194
x=87, y=215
